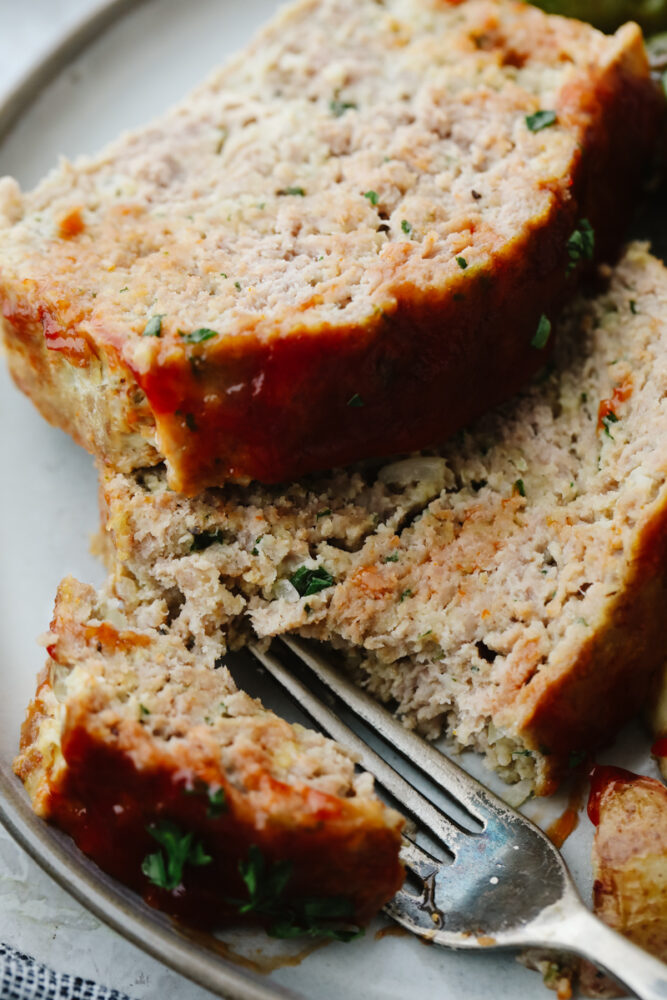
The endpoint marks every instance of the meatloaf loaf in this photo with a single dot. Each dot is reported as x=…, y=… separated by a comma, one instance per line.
x=186, y=788
x=509, y=588
x=348, y=242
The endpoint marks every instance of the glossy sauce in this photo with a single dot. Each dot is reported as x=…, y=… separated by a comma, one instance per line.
x=603, y=779
x=568, y=821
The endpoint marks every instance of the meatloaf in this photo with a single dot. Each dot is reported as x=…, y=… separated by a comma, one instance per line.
x=508, y=588
x=349, y=242
x=189, y=790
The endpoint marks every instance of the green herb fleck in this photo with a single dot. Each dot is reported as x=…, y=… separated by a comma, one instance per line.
x=520, y=488
x=406, y=593
x=633, y=307
x=462, y=262
x=255, y=550
x=312, y=916
x=203, y=539
x=124, y=289
x=217, y=803
x=198, y=336
x=143, y=710
x=339, y=108
x=323, y=513
x=222, y=274
x=406, y=226
x=292, y=190
x=308, y=581
x=237, y=286
x=610, y=418
x=154, y=326
x=372, y=197
x=355, y=400
x=583, y=398
x=307, y=608
x=580, y=245
x=392, y=558
x=542, y=333
x=581, y=621
x=522, y=753
x=429, y=631
x=540, y=119
x=165, y=868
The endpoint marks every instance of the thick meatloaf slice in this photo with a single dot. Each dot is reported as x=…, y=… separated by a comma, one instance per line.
x=189, y=790
x=348, y=242
x=509, y=589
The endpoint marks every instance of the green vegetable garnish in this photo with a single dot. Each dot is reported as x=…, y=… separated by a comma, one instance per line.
x=610, y=418
x=581, y=244
x=540, y=119
x=311, y=581
x=355, y=400
x=462, y=262
x=338, y=108
x=520, y=488
x=202, y=540
x=542, y=333
x=154, y=326
x=198, y=336
x=293, y=190
x=372, y=197
x=406, y=226
x=165, y=868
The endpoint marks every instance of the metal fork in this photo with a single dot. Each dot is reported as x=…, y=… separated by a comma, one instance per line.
x=506, y=886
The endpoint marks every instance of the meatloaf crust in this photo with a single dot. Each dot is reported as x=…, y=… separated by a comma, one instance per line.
x=342, y=245
x=129, y=735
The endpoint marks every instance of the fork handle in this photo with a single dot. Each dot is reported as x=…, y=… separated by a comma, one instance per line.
x=635, y=969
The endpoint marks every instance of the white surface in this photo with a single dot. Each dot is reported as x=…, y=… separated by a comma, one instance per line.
x=142, y=64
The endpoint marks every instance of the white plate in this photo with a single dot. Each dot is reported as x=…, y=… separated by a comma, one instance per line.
x=149, y=54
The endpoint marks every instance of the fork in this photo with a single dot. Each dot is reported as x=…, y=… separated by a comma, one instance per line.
x=505, y=886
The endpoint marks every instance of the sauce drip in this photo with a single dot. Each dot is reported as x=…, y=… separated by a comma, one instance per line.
x=604, y=777
x=568, y=821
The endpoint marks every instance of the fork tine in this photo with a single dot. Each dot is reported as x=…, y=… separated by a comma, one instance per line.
x=473, y=796
x=444, y=829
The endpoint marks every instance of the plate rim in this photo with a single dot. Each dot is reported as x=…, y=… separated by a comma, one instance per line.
x=110, y=901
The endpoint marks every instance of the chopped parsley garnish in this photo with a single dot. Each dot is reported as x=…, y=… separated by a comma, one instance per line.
x=124, y=289
x=406, y=593
x=308, y=581
x=323, y=513
x=522, y=753
x=372, y=197
x=237, y=286
x=520, y=488
x=609, y=418
x=165, y=868
x=203, y=539
x=581, y=244
x=392, y=558
x=154, y=326
x=143, y=710
x=633, y=307
x=355, y=400
x=198, y=336
x=406, y=226
x=312, y=916
x=292, y=190
x=542, y=333
x=429, y=631
x=255, y=551
x=338, y=108
x=462, y=262
x=540, y=119
x=217, y=803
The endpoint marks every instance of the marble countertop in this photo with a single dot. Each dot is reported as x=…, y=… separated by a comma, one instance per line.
x=36, y=915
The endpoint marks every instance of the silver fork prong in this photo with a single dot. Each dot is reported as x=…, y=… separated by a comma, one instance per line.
x=417, y=860
x=429, y=817
x=472, y=795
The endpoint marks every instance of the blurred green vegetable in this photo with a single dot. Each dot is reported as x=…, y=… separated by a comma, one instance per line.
x=608, y=14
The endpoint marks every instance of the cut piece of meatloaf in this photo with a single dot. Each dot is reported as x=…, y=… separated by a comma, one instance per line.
x=348, y=242
x=175, y=781
x=509, y=588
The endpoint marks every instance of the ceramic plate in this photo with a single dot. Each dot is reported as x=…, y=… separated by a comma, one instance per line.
x=116, y=71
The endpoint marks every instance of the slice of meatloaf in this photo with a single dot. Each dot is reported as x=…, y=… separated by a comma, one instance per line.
x=190, y=791
x=509, y=588
x=629, y=863
x=349, y=242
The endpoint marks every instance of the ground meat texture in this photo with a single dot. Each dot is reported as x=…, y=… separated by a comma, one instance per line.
x=130, y=733
x=343, y=244
x=506, y=589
